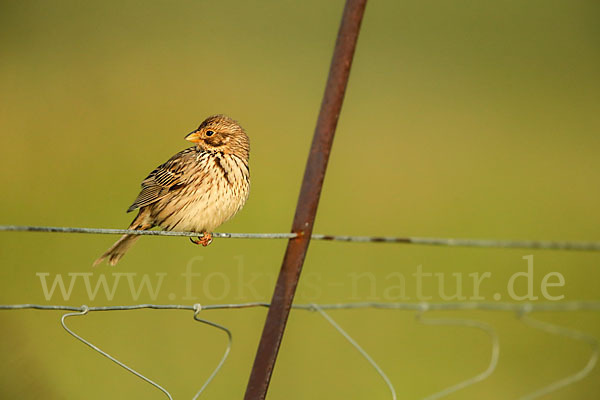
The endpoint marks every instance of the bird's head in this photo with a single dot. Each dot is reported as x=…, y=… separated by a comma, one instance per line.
x=221, y=133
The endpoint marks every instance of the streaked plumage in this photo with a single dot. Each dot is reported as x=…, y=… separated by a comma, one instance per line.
x=197, y=189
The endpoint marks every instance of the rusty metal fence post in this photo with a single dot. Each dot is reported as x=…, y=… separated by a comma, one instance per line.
x=308, y=201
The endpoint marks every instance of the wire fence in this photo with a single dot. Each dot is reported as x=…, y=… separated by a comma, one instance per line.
x=522, y=312
x=447, y=242
x=296, y=251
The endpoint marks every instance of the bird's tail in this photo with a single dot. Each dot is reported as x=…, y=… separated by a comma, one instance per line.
x=118, y=250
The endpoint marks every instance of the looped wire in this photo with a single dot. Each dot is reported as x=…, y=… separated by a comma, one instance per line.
x=312, y=307
x=85, y=310
x=571, y=334
x=197, y=309
x=423, y=307
x=495, y=353
x=521, y=310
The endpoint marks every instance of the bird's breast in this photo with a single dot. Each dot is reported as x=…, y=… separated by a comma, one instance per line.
x=215, y=191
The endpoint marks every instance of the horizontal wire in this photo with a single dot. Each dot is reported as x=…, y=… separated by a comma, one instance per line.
x=103, y=231
x=449, y=242
x=424, y=306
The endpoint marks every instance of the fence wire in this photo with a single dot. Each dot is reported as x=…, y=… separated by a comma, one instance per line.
x=522, y=312
x=430, y=241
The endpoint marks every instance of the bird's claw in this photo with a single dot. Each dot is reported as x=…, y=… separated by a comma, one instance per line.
x=204, y=240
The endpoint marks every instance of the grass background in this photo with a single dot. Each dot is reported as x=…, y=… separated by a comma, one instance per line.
x=462, y=119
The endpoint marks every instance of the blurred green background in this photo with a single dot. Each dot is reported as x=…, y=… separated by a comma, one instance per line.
x=462, y=119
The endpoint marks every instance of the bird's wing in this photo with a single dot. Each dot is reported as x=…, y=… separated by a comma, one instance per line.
x=164, y=179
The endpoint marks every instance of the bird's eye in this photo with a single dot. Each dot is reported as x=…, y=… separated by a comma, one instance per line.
x=210, y=133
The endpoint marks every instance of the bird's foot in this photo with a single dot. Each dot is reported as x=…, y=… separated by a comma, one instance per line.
x=204, y=240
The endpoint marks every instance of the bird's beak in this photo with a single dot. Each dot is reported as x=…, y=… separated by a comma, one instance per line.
x=193, y=136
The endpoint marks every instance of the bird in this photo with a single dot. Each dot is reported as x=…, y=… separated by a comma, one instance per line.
x=197, y=189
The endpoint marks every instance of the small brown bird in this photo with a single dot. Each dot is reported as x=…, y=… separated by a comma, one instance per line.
x=197, y=189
